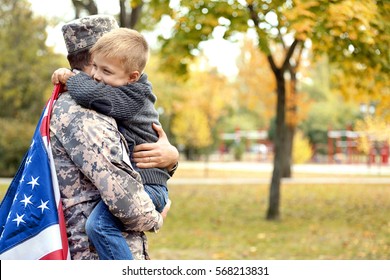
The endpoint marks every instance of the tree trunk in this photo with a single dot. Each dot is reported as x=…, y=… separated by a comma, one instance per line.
x=280, y=133
x=122, y=14
x=279, y=146
x=289, y=142
x=291, y=124
x=126, y=19
x=89, y=6
x=288, y=147
x=135, y=15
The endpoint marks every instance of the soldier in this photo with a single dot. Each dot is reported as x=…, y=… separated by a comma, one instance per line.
x=91, y=158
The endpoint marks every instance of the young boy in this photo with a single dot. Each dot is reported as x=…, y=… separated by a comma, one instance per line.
x=118, y=88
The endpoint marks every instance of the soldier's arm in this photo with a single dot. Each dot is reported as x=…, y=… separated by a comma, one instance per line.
x=160, y=154
x=94, y=144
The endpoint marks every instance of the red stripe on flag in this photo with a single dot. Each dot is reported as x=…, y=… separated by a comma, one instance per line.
x=45, y=126
x=62, y=254
x=56, y=255
x=64, y=236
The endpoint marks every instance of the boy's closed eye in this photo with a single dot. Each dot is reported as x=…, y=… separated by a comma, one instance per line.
x=107, y=71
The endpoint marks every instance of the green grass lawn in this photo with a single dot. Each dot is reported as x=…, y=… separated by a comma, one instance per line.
x=330, y=222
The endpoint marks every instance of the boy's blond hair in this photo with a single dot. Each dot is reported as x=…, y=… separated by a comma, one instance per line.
x=127, y=45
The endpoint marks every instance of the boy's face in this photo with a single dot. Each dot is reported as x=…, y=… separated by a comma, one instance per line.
x=109, y=71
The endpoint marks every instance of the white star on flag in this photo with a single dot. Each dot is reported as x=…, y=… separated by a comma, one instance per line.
x=26, y=200
x=19, y=219
x=43, y=205
x=16, y=197
x=29, y=160
x=33, y=182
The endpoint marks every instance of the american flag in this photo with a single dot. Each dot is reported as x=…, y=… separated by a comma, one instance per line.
x=32, y=224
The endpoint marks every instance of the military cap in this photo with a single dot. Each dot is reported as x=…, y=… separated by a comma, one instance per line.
x=81, y=34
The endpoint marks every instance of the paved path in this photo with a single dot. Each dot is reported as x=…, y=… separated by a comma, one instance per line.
x=289, y=181
x=347, y=169
x=5, y=180
x=320, y=174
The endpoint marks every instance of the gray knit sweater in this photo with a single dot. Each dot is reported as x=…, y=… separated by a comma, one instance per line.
x=132, y=106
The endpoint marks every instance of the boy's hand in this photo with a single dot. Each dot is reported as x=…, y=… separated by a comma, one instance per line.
x=61, y=75
x=164, y=213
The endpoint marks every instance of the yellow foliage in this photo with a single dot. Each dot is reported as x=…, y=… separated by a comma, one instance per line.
x=193, y=105
x=352, y=18
x=364, y=86
x=382, y=108
x=211, y=93
x=191, y=128
x=302, y=20
x=372, y=129
x=255, y=83
x=302, y=151
x=204, y=99
x=297, y=105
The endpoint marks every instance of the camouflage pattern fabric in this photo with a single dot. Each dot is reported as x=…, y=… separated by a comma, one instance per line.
x=88, y=154
x=83, y=33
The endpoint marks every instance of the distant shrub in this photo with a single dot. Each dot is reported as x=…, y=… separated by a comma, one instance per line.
x=15, y=139
x=302, y=151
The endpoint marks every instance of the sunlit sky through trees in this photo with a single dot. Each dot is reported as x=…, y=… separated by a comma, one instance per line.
x=220, y=53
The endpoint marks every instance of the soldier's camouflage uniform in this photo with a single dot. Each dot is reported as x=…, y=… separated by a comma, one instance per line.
x=89, y=153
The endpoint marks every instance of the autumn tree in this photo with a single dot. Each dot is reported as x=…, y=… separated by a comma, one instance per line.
x=135, y=14
x=257, y=97
x=206, y=96
x=374, y=132
x=169, y=93
x=26, y=65
x=26, y=68
x=142, y=15
x=328, y=109
x=190, y=109
x=291, y=25
x=355, y=36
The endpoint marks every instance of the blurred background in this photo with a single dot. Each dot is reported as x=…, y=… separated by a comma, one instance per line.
x=279, y=83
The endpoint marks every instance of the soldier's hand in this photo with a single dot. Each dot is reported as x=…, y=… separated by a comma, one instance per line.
x=160, y=154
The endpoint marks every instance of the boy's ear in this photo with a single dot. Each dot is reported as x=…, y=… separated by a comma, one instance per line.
x=134, y=76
